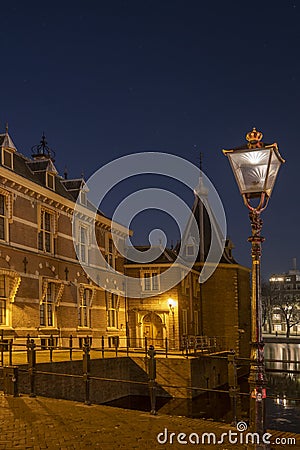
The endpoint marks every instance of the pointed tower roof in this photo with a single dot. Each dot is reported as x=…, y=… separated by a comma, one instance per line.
x=6, y=141
x=203, y=215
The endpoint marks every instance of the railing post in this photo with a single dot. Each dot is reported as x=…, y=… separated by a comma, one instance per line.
x=86, y=369
x=152, y=377
x=51, y=347
x=146, y=346
x=2, y=348
x=28, y=346
x=166, y=345
x=31, y=369
x=71, y=346
x=102, y=345
x=10, y=347
x=233, y=387
x=186, y=344
x=116, y=345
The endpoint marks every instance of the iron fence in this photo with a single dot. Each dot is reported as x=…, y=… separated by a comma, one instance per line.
x=31, y=371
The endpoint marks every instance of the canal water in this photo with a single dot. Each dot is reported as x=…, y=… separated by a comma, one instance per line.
x=283, y=411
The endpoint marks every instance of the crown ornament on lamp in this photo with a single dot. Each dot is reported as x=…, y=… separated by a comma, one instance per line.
x=254, y=137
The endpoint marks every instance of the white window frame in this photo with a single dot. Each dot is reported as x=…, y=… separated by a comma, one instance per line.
x=190, y=250
x=50, y=176
x=4, y=218
x=83, y=233
x=184, y=321
x=6, y=152
x=150, y=280
x=84, y=308
x=3, y=302
x=83, y=197
x=110, y=255
x=112, y=309
x=48, y=307
x=46, y=234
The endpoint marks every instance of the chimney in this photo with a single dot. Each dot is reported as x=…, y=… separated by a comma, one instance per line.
x=294, y=263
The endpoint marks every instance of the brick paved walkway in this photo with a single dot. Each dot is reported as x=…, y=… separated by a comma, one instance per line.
x=43, y=423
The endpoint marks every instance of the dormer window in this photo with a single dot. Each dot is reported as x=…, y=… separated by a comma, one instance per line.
x=7, y=158
x=190, y=250
x=83, y=198
x=50, y=180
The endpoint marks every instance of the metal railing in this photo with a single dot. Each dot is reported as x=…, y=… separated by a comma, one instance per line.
x=32, y=372
x=190, y=346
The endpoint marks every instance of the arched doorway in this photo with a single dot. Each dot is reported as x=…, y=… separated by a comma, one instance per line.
x=153, y=329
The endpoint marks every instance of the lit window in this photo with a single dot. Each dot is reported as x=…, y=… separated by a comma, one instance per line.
x=84, y=308
x=151, y=281
x=46, y=235
x=47, y=308
x=276, y=316
x=112, y=309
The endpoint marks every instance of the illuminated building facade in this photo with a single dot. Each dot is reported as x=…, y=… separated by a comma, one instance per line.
x=216, y=312
x=44, y=291
x=282, y=303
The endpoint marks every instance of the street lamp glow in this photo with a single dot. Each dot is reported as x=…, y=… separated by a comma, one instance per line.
x=171, y=303
x=255, y=166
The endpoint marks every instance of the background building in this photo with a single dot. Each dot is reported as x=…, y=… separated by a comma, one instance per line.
x=281, y=299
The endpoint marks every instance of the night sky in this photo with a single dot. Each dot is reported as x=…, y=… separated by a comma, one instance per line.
x=105, y=79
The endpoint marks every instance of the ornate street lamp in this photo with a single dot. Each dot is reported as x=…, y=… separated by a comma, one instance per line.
x=255, y=166
x=172, y=304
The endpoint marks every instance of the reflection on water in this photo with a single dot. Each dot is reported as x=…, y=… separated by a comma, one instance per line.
x=282, y=352
x=210, y=405
x=282, y=412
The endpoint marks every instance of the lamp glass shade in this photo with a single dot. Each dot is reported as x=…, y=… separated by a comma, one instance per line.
x=255, y=170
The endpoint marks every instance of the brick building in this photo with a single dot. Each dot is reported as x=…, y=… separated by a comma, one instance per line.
x=215, y=311
x=45, y=292
x=43, y=289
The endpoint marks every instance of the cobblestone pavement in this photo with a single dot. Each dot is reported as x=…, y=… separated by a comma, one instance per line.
x=43, y=423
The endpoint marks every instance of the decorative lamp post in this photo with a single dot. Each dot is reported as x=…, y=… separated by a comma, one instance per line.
x=255, y=166
x=172, y=304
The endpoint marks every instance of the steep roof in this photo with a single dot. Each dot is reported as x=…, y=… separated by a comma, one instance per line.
x=36, y=169
x=205, y=219
x=6, y=141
